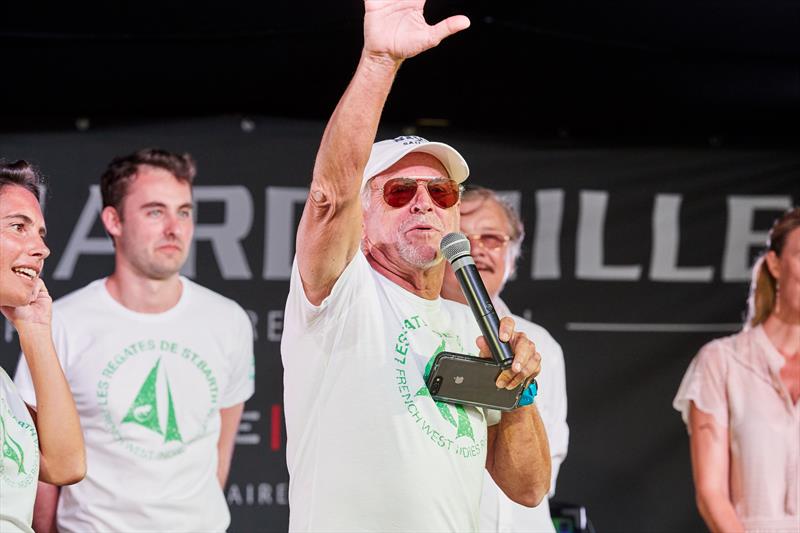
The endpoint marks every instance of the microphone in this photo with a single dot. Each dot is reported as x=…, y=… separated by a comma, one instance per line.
x=456, y=249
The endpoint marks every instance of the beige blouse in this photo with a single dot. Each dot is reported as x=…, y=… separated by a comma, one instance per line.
x=737, y=380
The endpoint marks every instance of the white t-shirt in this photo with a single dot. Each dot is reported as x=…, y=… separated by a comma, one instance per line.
x=367, y=448
x=19, y=461
x=499, y=514
x=149, y=388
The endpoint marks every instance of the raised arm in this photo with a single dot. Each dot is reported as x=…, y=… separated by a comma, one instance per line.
x=63, y=459
x=329, y=234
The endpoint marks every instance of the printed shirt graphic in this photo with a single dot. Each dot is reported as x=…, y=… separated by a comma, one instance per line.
x=367, y=447
x=149, y=388
x=19, y=464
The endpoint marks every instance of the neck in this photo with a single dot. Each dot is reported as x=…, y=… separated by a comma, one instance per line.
x=142, y=294
x=454, y=293
x=424, y=282
x=785, y=335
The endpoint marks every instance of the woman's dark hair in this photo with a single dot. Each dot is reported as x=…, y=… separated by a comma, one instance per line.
x=22, y=174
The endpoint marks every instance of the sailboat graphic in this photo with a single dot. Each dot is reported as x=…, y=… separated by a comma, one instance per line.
x=463, y=425
x=12, y=449
x=144, y=408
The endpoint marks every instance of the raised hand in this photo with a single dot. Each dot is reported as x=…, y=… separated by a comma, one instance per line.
x=38, y=312
x=397, y=28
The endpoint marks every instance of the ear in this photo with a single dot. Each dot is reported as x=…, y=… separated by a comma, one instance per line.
x=773, y=264
x=111, y=221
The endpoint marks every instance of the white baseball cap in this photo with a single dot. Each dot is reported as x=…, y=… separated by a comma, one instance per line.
x=386, y=153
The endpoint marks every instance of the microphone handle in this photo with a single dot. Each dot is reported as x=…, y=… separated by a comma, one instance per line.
x=475, y=293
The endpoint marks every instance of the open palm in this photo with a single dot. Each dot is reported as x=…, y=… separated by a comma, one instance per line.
x=397, y=28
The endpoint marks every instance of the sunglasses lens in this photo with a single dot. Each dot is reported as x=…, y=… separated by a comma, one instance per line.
x=443, y=192
x=397, y=192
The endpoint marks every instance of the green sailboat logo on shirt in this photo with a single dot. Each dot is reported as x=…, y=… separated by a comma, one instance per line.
x=463, y=425
x=19, y=458
x=12, y=450
x=144, y=408
x=453, y=428
x=164, y=387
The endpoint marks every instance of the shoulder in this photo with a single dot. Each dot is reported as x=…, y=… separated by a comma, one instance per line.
x=717, y=355
x=722, y=348
x=204, y=296
x=88, y=295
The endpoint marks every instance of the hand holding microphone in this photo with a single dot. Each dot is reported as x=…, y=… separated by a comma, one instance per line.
x=517, y=355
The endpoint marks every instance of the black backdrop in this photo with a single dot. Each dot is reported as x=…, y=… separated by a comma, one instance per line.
x=634, y=257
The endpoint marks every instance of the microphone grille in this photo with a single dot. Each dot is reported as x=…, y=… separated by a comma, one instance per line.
x=454, y=245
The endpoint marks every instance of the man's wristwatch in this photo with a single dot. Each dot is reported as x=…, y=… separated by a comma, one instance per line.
x=528, y=395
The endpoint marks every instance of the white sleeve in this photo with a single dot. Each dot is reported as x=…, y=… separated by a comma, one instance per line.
x=24, y=383
x=704, y=383
x=352, y=279
x=241, y=380
x=307, y=326
x=553, y=406
x=492, y=416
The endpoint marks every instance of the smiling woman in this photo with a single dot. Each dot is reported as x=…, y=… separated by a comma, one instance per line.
x=46, y=442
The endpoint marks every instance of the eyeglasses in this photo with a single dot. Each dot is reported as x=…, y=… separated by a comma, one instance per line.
x=444, y=192
x=490, y=241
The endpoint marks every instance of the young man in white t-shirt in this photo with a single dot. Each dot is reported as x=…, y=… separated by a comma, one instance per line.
x=496, y=232
x=367, y=447
x=159, y=367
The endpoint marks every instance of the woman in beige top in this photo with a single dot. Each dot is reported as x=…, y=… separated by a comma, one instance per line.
x=739, y=399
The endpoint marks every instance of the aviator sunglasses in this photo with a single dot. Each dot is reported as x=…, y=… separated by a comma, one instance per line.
x=444, y=192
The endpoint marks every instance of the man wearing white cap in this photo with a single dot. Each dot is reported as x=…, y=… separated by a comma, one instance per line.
x=367, y=447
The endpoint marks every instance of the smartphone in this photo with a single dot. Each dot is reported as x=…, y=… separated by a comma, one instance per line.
x=470, y=380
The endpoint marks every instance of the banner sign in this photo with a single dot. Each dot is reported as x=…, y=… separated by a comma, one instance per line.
x=633, y=258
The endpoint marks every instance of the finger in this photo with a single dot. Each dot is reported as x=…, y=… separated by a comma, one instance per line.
x=483, y=348
x=524, y=350
x=506, y=330
x=531, y=370
x=516, y=379
x=534, y=366
x=505, y=377
x=38, y=289
x=510, y=379
x=448, y=27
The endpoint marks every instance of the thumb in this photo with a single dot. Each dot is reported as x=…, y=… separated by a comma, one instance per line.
x=449, y=26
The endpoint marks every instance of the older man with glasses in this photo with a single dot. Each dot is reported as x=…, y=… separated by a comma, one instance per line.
x=367, y=447
x=495, y=231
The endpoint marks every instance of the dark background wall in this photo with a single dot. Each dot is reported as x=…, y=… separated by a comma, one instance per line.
x=629, y=132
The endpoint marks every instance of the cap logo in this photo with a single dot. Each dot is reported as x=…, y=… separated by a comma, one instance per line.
x=410, y=139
